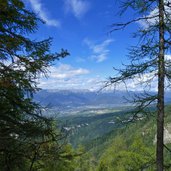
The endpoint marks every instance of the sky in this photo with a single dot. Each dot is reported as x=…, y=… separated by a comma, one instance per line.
x=83, y=27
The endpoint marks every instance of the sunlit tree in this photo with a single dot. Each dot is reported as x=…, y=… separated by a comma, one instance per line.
x=148, y=58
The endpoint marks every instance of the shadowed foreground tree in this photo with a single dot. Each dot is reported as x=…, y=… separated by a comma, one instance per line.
x=149, y=59
x=23, y=128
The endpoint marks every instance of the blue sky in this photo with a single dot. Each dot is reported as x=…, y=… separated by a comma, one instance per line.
x=83, y=28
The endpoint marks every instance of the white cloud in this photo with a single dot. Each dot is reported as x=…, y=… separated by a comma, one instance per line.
x=100, y=57
x=66, y=72
x=143, y=82
x=94, y=83
x=67, y=77
x=78, y=7
x=152, y=21
x=99, y=51
x=168, y=57
x=43, y=14
x=153, y=16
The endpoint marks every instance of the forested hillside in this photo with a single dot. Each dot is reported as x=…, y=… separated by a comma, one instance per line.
x=29, y=140
x=78, y=109
x=130, y=146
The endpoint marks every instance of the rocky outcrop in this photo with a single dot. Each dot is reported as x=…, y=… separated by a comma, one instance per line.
x=167, y=135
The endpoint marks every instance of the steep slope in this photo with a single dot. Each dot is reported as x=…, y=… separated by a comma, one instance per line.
x=130, y=147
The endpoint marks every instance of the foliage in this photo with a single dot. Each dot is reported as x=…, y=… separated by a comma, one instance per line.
x=131, y=148
x=84, y=127
x=127, y=147
x=137, y=157
x=148, y=60
x=23, y=128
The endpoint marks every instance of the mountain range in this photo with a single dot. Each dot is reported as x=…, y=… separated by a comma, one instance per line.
x=77, y=98
x=80, y=98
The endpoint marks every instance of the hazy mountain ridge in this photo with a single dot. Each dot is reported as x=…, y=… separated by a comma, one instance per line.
x=76, y=98
x=81, y=98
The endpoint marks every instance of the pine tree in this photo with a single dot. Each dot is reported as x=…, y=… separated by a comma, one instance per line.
x=148, y=57
x=23, y=128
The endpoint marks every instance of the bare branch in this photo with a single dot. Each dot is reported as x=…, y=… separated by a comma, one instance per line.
x=120, y=26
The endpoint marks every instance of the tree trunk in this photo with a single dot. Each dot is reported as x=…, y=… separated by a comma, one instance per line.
x=160, y=103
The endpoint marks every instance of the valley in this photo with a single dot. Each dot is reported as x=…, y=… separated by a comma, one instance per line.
x=87, y=125
x=98, y=128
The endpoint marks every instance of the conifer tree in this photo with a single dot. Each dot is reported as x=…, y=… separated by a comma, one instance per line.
x=23, y=128
x=148, y=58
